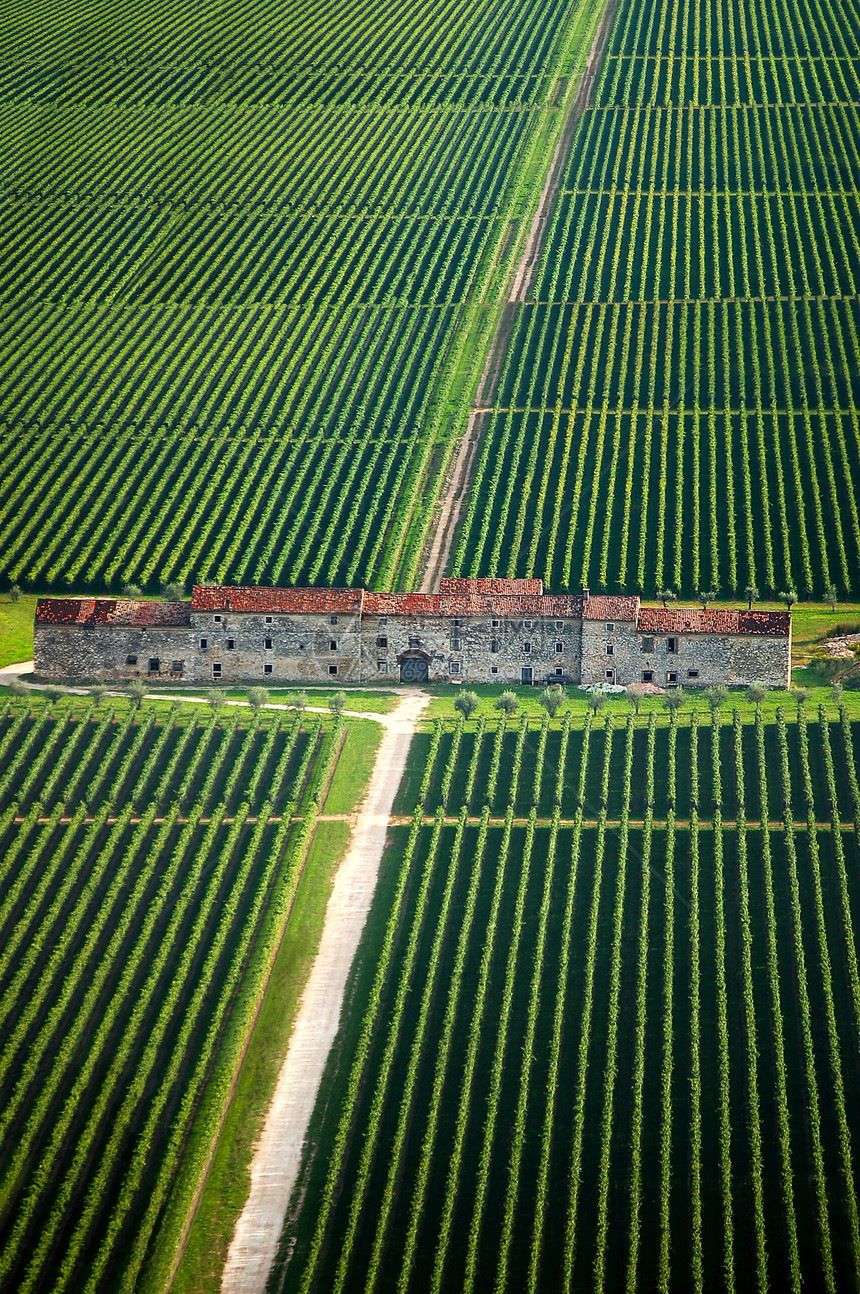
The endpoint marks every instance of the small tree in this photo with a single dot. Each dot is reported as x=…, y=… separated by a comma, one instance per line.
x=132, y=591
x=337, y=702
x=98, y=694
x=18, y=687
x=216, y=698
x=667, y=595
x=174, y=591
x=706, y=596
x=257, y=697
x=636, y=693
x=717, y=697
x=52, y=694
x=751, y=594
x=836, y=695
x=136, y=691
x=552, y=699
x=297, y=700
x=800, y=695
x=508, y=703
x=466, y=703
x=756, y=692
x=789, y=597
x=15, y=593
x=831, y=596
x=674, y=698
x=596, y=701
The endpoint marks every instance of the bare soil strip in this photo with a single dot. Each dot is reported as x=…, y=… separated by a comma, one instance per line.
x=278, y=1156
x=522, y=277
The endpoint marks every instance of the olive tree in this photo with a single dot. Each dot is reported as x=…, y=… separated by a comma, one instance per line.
x=466, y=703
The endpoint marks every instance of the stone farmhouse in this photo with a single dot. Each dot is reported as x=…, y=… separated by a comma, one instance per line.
x=471, y=631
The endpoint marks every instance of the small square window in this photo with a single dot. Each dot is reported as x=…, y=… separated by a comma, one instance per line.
x=154, y=665
x=671, y=677
x=455, y=667
x=332, y=646
x=332, y=620
x=217, y=619
x=332, y=669
x=610, y=676
x=692, y=673
x=527, y=624
x=527, y=647
x=610, y=627
x=648, y=646
x=559, y=646
x=267, y=643
x=270, y=620
x=610, y=650
x=494, y=623
x=559, y=670
x=457, y=621
x=383, y=620
x=131, y=660
x=204, y=643
x=231, y=643
x=382, y=640
x=216, y=669
x=382, y=666
x=177, y=666
x=267, y=669
x=559, y=624
x=494, y=669
x=647, y=676
x=455, y=644
x=414, y=642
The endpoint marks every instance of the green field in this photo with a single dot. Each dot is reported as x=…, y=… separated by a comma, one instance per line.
x=151, y=861
x=678, y=404
x=245, y=251
x=607, y=1037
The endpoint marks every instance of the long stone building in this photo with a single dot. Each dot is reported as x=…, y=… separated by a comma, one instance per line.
x=472, y=630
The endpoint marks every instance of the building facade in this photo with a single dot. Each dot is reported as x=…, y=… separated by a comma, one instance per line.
x=472, y=631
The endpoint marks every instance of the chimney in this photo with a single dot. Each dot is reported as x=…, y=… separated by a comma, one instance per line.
x=585, y=592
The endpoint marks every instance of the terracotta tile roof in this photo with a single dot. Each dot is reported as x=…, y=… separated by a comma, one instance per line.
x=110, y=611
x=507, y=588
x=601, y=607
x=716, y=620
x=218, y=597
x=473, y=604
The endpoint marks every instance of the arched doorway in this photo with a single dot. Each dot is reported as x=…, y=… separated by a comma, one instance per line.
x=414, y=667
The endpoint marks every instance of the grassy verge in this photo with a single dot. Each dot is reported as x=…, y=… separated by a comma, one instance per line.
x=16, y=628
x=354, y=766
x=229, y=1177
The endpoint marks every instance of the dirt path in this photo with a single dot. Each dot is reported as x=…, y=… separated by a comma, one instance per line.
x=278, y=1156
x=457, y=488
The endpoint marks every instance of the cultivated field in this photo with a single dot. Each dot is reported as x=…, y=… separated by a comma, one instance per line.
x=678, y=404
x=244, y=254
x=606, y=1037
x=150, y=862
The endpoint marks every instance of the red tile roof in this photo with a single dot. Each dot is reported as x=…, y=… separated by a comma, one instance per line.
x=716, y=620
x=601, y=607
x=110, y=611
x=506, y=588
x=473, y=604
x=217, y=597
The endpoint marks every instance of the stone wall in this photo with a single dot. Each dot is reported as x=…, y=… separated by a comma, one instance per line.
x=698, y=660
x=475, y=650
x=304, y=649
x=99, y=653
